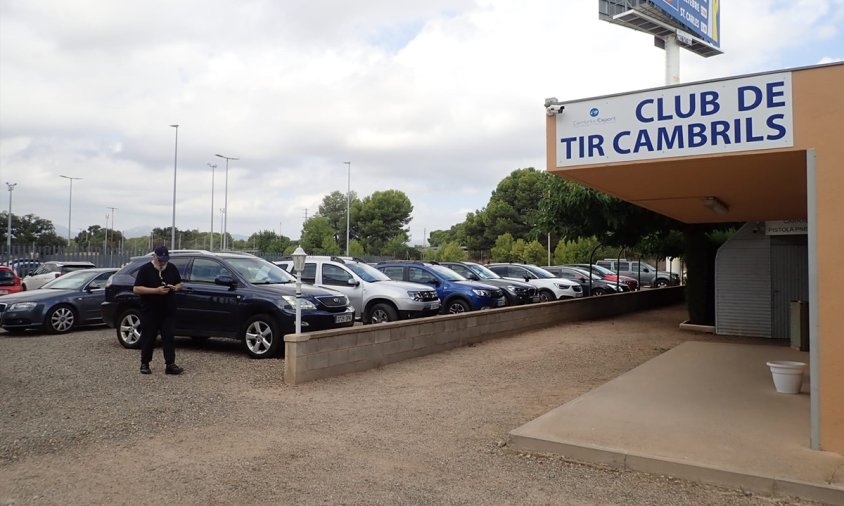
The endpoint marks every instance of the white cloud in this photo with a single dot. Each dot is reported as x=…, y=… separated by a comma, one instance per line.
x=440, y=100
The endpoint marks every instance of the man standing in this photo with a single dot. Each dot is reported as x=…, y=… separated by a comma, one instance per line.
x=156, y=283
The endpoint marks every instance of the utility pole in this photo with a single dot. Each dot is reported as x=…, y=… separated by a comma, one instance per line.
x=9, y=229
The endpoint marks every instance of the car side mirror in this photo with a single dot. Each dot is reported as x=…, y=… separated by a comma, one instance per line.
x=527, y=279
x=473, y=277
x=352, y=282
x=225, y=280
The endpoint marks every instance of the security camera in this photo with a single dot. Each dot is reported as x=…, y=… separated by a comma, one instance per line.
x=554, y=109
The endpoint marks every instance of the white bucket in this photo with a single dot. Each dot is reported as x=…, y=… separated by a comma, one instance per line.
x=788, y=376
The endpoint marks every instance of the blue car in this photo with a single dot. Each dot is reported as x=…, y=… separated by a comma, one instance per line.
x=457, y=293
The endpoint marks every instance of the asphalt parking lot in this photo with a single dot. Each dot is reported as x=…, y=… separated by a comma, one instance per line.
x=79, y=425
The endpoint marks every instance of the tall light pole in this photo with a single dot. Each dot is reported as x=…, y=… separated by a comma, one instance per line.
x=226, y=202
x=348, y=202
x=9, y=229
x=175, y=159
x=211, y=243
x=69, y=204
x=111, y=254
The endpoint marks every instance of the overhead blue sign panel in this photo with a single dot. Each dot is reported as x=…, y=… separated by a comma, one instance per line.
x=702, y=18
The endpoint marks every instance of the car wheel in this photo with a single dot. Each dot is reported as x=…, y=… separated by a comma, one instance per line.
x=60, y=319
x=457, y=306
x=23, y=288
x=261, y=337
x=381, y=313
x=599, y=291
x=661, y=283
x=546, y=295
x=129, y=329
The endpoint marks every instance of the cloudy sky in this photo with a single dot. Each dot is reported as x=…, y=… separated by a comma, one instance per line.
x=439, y=99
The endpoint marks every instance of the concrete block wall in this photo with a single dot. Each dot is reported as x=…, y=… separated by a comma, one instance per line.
x=327, y=353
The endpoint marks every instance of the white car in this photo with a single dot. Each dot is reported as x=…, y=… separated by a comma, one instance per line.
x=376, y=297
x=550, y=287
x=49, y=271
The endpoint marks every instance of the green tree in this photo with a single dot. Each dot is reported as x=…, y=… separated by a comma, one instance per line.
x=356, y=248
x=577, y=211
x=451, y=252
x=535, y=253
x=314, y=233
x=518, y=252
x=334, y=207
x=502, y=251
x=30, y=230
x=575, y=252
x=383, y=218
x=267, y=241
x=329, y=246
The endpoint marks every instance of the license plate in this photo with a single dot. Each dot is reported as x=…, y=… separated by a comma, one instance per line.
x=501, y=302
x=343, y=318
x=433, y=305
x=534, y=299
x=4, y=292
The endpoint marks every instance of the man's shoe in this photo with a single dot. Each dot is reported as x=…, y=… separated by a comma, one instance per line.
x=145, y=369
x=173, y=369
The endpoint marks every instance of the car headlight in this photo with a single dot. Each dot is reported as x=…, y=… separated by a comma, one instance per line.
x=562, y=286
x=416, y=295
x=511, y=288
x=22, y=306
x=481, y=293
x=303, y=303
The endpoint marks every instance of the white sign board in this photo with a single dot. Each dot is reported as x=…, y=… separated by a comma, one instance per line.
x=786, y=227
x=733, y=115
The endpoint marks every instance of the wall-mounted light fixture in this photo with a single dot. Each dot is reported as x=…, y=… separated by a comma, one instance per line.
x=716, y=205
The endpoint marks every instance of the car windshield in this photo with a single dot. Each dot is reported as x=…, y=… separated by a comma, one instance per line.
x=367, y=272
x=585, y=272
x=600, y=269
x=259, y=272
x=539, y=272
x=447, y=273
x=482, y=272
x=72, y=280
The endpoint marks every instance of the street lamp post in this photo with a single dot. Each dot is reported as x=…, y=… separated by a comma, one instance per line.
x=175, y=159
x=226, y=202
x=348, y=202
x=69, y=204
x=9, y=229
x=211, y=241
x=299, y=256
x=111, y=250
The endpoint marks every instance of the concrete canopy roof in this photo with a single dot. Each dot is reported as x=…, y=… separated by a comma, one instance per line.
x=755, y=186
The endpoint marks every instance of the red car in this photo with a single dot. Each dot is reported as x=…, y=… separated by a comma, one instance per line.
x=610, y=275
x=9, y=281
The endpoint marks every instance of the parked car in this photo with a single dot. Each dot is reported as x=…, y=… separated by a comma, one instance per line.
x=456, y=293
x=23, y=266
x=49, y=271
x=609, y=275
x=649, y=274
x=516, y=292
x=597, y=286
x=375, y=297
x=550, y=287
x=232, y=295
x=60, y=305
x=9, y=281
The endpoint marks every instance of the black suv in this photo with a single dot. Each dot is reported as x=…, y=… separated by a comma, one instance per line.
x=231, y=295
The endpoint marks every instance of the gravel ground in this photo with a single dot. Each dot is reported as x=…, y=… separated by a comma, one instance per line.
x=79, y=425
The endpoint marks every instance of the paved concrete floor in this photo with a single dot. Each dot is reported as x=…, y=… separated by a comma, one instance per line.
x=700, y=411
